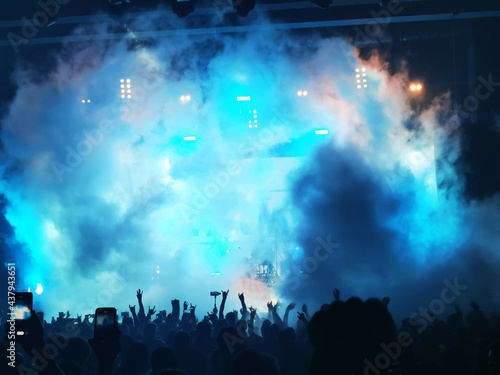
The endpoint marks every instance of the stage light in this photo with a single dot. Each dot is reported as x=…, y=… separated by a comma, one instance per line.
x=250, y=126
x=39, y=289
x=182, y=7
x=324, y=4
x=88, y=100
x=125, y=90
x=243, y=7
x=188, y=98
x=359, y=77
x=190, y=138
x=256, y=125
x=182, y=98
x=83, y=101
x=321, y=132
x=302, y=93
x=254, y=111
x=416, y=87
x=243, y=98
x=299, y=93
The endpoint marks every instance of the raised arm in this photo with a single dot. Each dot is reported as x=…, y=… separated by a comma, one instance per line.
x=244, y=311
x=289, y=308
x=276, y=317
x=306, y=313
x=141, y=315
x=336, y=294
x=223, y=304
x=134, y=316
x=176, y=309
x=253, y=312
x=151, y=312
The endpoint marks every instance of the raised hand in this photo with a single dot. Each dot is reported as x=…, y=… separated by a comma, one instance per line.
x=132, y=309
x=186, y=304
x=241, y=297
x=139, y=295
x=336, y=294
x=304, y=308
x=151, y=311
x=270, y=305
x=68, y=314
x=290, y=306
x=192, y=308
x=224, y=294
x=212, y=317
x=302, y=317
x=252, y=313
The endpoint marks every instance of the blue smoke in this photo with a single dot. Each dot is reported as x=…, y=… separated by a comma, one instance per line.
x=108, y=196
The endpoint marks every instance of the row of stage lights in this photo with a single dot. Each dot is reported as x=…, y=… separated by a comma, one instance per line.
x=361, y=82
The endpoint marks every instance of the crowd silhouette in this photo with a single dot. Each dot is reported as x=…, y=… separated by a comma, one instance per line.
x=348, y=337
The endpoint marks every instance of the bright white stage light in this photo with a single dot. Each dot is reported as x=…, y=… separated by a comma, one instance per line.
x=243, y=98
x=190, y=138
x=321, y=132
